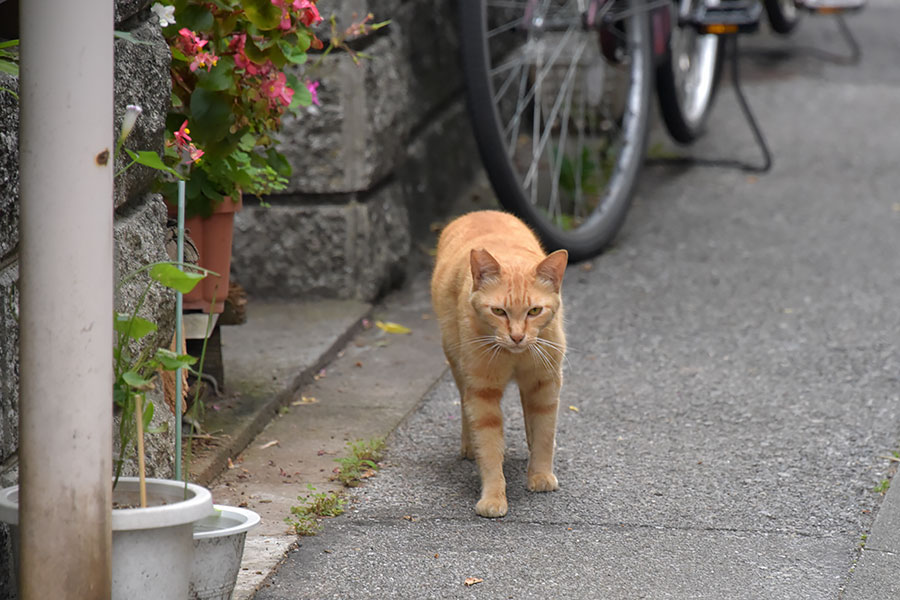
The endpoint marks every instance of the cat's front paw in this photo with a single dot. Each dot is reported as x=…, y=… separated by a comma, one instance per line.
x=492, y=507
x=542, y=482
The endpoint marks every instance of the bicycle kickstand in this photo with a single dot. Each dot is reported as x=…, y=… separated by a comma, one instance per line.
x=838, y=8
x=730, y=19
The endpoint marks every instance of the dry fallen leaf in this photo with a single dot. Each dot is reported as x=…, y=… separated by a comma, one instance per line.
x=304, y=400
x=367, y=473
x=470, y=581
x=269, y=444
x=587, y=266
x=230, y=464
x=392, y=327
x=573, y=408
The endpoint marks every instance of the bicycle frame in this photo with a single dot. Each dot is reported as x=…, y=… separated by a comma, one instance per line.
x=604, y=14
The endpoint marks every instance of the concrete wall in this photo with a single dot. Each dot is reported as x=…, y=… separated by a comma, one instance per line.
x=389, y=147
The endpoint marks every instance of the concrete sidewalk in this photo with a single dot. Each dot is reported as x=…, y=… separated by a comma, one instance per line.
x=732, y=378
x=302, y=381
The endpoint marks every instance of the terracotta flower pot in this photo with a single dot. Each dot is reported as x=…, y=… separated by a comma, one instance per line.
x=212, y=235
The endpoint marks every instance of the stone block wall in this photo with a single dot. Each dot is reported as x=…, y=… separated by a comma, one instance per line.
x=389, y=147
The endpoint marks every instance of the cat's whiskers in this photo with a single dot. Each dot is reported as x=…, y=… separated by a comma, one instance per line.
x=540, y=354
x=497, y=348
x=475, y=341
x=543, y=346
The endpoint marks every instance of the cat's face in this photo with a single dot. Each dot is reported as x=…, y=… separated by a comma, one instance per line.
x=515, y=304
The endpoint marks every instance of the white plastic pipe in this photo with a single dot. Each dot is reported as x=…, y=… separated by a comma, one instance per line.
x=66, y=298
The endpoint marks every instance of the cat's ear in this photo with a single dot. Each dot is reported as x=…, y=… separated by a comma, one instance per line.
x=484, y=268
x=552, y=268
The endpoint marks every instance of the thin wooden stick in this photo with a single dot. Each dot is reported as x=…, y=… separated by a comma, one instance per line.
x=139, y=418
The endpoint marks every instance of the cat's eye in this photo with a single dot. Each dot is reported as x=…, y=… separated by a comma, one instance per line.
x=498, y=311
x=535, y=311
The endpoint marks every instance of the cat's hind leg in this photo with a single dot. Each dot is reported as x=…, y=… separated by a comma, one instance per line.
x=466, y=448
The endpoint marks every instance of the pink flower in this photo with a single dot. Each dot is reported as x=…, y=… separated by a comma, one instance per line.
x=277, y=90
x=309, y=14
x=204, y=59
x=190, y=43
x=193, y=153
x=313, y=87
x=182, y=136
x=285, y=20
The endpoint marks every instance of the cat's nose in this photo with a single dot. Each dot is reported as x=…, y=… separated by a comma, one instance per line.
x=517, y=337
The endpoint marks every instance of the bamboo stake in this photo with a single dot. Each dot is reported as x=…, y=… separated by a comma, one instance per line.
x=139, y=419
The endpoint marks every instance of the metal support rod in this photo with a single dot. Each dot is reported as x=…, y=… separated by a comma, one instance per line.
x=179, y=333
x=745, y=108
x=66, y=299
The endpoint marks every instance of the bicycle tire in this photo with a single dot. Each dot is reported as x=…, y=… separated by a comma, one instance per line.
x=783, y=15
x=605, y=168
x=687, y=80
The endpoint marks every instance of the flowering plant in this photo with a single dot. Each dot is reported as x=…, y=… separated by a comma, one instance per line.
x=230, y=92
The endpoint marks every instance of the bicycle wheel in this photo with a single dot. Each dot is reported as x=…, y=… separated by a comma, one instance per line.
x=687, y=78
x=559, y=110
x=783, y=15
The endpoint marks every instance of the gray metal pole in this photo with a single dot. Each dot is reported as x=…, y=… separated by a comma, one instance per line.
x=66, y=298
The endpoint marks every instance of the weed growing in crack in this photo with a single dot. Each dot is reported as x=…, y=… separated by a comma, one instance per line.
x=361, y=463
x=305, y=518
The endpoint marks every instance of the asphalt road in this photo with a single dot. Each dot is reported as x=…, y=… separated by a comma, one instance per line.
x=734, y=365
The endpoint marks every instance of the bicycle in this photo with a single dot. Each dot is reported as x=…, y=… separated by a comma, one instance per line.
x=559, y=97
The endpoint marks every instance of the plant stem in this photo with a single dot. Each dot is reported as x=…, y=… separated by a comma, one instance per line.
x=139, y=420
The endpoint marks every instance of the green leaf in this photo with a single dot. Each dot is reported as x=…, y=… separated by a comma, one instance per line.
x=211, y=115
x=162, y=428
x=129, y=37
x=292, y=53
x=302, y=97
x=171, y=361
x=135, y=381
x=172, y=277
x=196, y=18
x=120, y=396
x=278, y=162
x=10, y=68
x=9, y=44
x=148, y=415
x=304, y=40
x=179, y=55
x=220, y=78
x=151, y=159
x=262, y=13
x=134, y=327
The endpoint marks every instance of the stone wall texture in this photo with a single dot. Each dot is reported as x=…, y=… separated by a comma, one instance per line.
x=388, y=147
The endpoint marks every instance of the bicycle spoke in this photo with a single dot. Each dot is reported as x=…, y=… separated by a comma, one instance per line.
x=553, y=113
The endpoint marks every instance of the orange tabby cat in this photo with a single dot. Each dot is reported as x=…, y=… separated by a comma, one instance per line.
x=497, y=296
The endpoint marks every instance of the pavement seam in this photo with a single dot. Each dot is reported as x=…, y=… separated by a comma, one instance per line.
x=380, y=520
